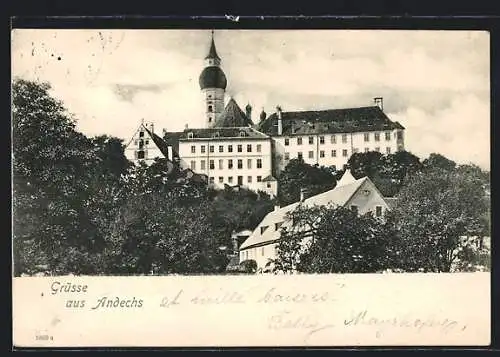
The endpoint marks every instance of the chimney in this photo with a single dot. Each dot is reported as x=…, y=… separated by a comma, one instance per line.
x=379, y=102
x=152, y=128
x=302, y=194
x=280, y=121
x=234, y=239
x=164, y=132
x=248, y=111
x=276, y=207
x=186, y=126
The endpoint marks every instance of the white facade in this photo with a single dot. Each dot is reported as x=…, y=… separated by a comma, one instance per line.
x=231, y=161
x=361, y=195
x=334, y=149
x=141, y=147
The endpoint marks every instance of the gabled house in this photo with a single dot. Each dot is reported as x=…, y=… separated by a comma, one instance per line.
x=360, y=195
x=146, y=146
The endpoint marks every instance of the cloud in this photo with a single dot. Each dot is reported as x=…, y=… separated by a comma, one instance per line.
x=436, y=83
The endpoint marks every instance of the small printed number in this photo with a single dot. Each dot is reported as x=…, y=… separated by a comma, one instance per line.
x=44, y=338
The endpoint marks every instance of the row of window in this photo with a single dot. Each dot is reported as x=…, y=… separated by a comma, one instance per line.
x=245, y=256
x=238, y=178
x=141, y=142
x=378, y=210
x=344, y=138
x=239, y=148
x=345, y=153
x=239, y=164
x=216, y=134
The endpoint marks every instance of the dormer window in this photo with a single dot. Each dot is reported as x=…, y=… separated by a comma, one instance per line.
x=216, y=135
x=190, y=135
x=242, y=133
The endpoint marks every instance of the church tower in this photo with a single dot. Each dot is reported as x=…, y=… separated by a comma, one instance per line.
x=213, y=84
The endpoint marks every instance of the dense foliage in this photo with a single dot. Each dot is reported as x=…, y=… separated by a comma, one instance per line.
x=80, y=207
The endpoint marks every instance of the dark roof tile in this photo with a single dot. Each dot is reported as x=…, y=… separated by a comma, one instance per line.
x=330, y=121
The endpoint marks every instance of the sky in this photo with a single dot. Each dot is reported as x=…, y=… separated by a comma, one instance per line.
x=435, y=83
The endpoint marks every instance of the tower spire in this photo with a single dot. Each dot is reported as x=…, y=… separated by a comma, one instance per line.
x=212, y=53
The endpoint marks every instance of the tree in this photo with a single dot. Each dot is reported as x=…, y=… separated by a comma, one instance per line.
x=436, y=211
x=298, y=175
x=365, y=164
x=52, y=230
x=439, y=161
x=154, y=233
x=329, y=239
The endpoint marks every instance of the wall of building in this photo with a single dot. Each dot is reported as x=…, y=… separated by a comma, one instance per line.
x=142, y=143
x=367, y=198
x=261, y=255
x=221, y=174
x=333, y=149
x=214, y=104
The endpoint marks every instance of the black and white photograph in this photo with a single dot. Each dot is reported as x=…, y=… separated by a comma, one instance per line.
x=236, y=153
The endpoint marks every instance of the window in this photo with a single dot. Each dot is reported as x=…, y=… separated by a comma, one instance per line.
x=263, y=229
x=211, y=164
x=221, y=148
x=240, y=180
x=287, y=141
x=240, y=164
x=334, y=153
x=203, y=149
x=221, y=179
x=354, y=208
x=299, y=155
x=311, y=140
x=249, y=163
x=277, y=225
x=299, y=141
x=311, y=154
x=378, y=211
x=147, y=142
x=249, y=148
x=242, y=134
x=211, y=180
x=259, y=178
x=367, y=136
x=190, y=135
x=377, y=136
x=259, y=163
x=344, y=138
x=388, y=150
x=321, y=139
x=193, y=165
x=211, y=148
x=321, y=153
x=210, y=109
x=141, y=134
x=287, y=156
x=367, y=149
x=240, y=148
x=230, y=179
x=344, y=153
x=249, y=179
x=333, y=139
x=400, y=135
x=140, y=154
x=268, y=185
x=141, y=144
x=230, y=148
x=377, y=149
x=202, y=164
x=387, y=135
x=216, y=134
x=355, y=150
x=221, y=164
x=230, y=164
x=259, y=147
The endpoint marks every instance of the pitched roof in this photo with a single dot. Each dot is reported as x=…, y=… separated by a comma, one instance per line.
x=232, y=116
x=340, y=195
x=330, y=121
x=346, y=178
x=269, y=178
x=222, y=133
x=212, y=53
x=391, y=201
x=159, y=142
